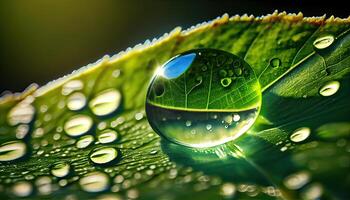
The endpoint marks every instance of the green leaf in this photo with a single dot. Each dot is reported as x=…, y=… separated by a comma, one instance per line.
x=264, y=163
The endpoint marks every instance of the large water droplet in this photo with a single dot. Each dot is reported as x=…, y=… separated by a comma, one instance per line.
x=329, y=88
x=78, y=125
x=22, y=189
x=60, y=169
x=323, y=42
x=12, y=150
x=84, y=141
x=94, y=182
x=23, y=112
x=105, y=102
x=76, y=101
x=228, y=190
x=107, y=136
x=183, y=113
x=103, y=155
x=300, y=134
x=72, y=86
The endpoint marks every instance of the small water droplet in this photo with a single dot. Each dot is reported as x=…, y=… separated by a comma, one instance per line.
x=238, y=71
x=138, y=116
x=153, y=152
x=21, y=131
x=84, y=141
x=107, y=136
x=78, y=125
x=116, y=73
x=222, y=73
x=60, y=169
x=275, y=62
x=106, y=102
x=44, y=185
x=94, y=182
x=209, y=126
x=323, y=42
x=22, y=189
x=12, y=150
x=300, y=134
x=225, y=82
x=188, y=123
x=103, y=155
x=72, y=86
x=76, y=101
x=297, y=180
x=236, y=117
x=228, y=190
x=329, y=88
x=313, y=192
x=23, y=112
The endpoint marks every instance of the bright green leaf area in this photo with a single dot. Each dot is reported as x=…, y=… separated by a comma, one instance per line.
x=257, y=164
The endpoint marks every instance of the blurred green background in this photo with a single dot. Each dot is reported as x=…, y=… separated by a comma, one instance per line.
x=41, y=40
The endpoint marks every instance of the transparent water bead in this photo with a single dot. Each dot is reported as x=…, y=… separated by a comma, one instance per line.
x=60, y=169
x=103, y=155
x=323, y=42
x=71, y=86
x=203, y=98
x=22, y=189
x=107, y=136
x=76, y=101
x=329, y=88
x=12, y=150
x=78, y=125
x=84, y=141
x=106, y=102
x=94, y=182
x=23, y=112
x=300, y=134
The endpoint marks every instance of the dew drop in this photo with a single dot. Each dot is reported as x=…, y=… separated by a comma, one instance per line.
x=275, y=62
x=60, y=169
x=84, y=141
x=107, y=136
x=323, y=42
x=238, y=71
x=23, y=112
x=225, y=82
x=106, y=102
x=94, y=182
x=313, y=192
x=300, y=134
x=12, y=150
x=228, y=190
x=222, y=73
x=76, y=101
x=183, y=112
x=21, y=131
x=78, y=125
x=72, y=86
x=22, y=189
x=329, y=88
x=103, y=155
x=297, y=180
